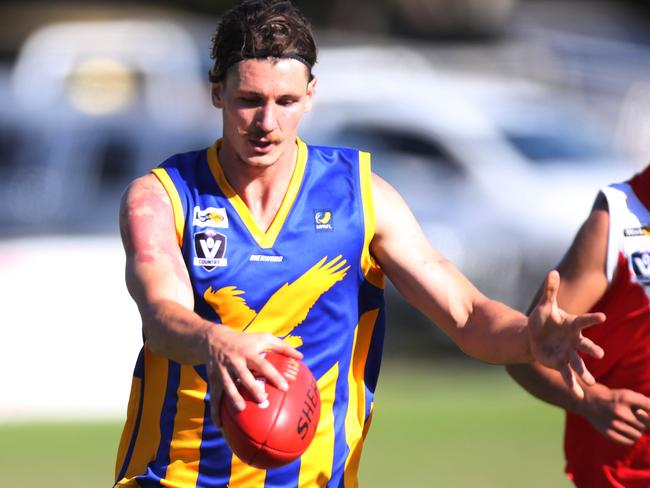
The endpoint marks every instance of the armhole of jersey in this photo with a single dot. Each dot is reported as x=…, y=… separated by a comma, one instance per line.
x=370, y=268
x=615, y=206
x=174, y=197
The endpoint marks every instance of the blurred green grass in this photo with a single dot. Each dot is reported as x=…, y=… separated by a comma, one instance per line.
x=460, y=424
x=449, y=424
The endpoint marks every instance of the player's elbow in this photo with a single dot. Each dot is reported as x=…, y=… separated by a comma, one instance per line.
x=493, y=346
x=513, y=370
x=474, y=345
x=153, y=317
x=520, y=373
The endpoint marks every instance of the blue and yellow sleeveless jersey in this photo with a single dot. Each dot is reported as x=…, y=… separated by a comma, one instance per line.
x=309, y=279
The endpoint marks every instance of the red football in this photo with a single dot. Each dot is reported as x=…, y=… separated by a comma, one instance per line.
x=274, y=433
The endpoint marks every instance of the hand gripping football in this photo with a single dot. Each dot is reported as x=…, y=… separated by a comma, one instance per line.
x=276, y=432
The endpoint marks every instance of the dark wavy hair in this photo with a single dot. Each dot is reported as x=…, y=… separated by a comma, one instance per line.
x=257, y=29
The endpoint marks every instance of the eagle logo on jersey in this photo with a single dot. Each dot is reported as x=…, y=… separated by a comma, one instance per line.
x=287, y=308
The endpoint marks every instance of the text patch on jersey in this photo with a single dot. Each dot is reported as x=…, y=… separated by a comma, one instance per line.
x=641, y=266
x=637, y=231
x=323, y=220
x=210, y=248
x=265, y=258
x=210, y=217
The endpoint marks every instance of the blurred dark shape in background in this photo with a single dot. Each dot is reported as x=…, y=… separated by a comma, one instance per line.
x=425, y=19
x=421, y=18
x=496, y=119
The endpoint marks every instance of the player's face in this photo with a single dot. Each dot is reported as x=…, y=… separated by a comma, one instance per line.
x=263, y=102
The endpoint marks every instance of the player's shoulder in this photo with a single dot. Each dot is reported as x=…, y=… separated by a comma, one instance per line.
x=587, y=255
x=598, y=220
x=144, y=191
x=382, y=190
x=144, y=183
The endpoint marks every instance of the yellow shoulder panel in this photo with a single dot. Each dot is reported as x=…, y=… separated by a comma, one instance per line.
x=371, y=269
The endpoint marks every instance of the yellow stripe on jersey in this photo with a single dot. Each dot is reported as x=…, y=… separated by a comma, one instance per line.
x=131, y=417
x=265, y=239
x=366, y=426
x=369, y=266
x=177, y=205
x=316, y=462
x=127, y=483
x=244, y=476
x=146, y=445
x=188, y=429
x=356, y=414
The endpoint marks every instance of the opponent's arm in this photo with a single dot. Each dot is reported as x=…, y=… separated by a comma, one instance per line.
x=618, y=414
x=483, y=328
x=159, y=283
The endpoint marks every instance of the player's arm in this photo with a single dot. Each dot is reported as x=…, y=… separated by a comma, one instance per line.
x=483, y=328
x=617, y=414
x=159, y=283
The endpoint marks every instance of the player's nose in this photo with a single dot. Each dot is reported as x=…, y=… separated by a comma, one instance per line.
x=266, y=118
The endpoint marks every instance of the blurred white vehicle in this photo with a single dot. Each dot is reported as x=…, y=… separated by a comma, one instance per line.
x=499, y=172
x=91, y=105
x=472, y=156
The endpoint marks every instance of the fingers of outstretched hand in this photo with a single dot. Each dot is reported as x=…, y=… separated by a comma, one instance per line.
x=551, y=287
x=638, y=400
x=588, y=319
x=578, y=366
x=628, y=433
x=617, y=436
x=569, y=378
x=639, y=405
x=630, y=418
x=588, y=346
x=642, y=416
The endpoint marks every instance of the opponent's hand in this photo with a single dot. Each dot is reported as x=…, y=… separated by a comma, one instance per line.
x=555, y=337
x=232, y=359
x=620, y=415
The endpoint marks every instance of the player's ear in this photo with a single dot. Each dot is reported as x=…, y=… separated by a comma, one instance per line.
x=217, y=94
x=311, y=90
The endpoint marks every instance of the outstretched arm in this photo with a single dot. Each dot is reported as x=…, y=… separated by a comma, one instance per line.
x=159, y=283
x=483, y=328
x=618, y=414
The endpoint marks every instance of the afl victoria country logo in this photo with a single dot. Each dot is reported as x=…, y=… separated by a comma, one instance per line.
x=210, y=249
x=641, y=266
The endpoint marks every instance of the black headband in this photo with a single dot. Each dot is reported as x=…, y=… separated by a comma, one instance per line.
x=236, y=58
